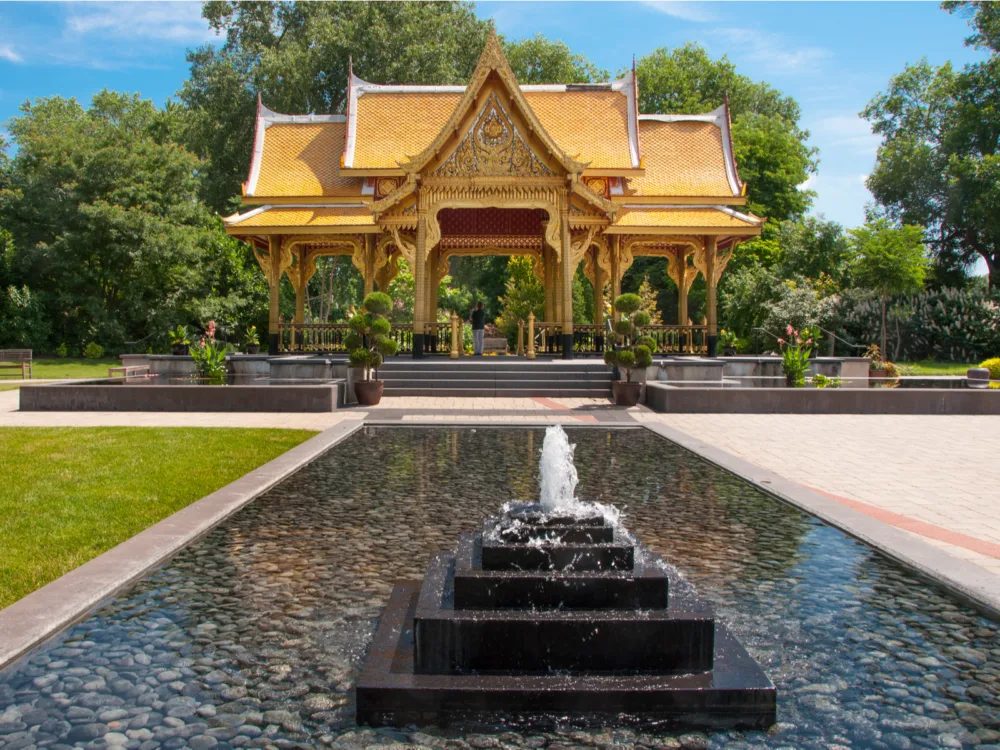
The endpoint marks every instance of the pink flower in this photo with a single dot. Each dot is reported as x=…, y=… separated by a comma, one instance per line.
x=781, y=341
x=788, y=329
x=203, y=341
x=809, y=341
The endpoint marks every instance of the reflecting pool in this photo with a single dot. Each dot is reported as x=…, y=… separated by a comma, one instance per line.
x=253, y=636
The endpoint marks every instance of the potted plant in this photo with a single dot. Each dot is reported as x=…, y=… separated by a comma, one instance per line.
x=210, y=357
x=631, y=350
x=251, y=341
x=878, y=368
x=179, y=341
x=795, y=351
x=368, y=343
x=727, y=340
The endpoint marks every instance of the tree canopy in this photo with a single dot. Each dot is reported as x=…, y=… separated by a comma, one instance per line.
x=102, y=206
x=938, y=164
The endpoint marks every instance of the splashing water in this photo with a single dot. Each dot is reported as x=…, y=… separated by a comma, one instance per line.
x=557, y=477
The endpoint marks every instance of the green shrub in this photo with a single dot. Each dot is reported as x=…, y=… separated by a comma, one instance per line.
x=957, y=325
x=630, y=349
x=62, y=351
x=93, y=350
x=993, y=365
x=368, y=341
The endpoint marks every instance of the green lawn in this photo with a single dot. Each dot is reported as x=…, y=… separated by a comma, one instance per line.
x=69, y=494
x=930, y=367
x=73, y=367
x=8, y=387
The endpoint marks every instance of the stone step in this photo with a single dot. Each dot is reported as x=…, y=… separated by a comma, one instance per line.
x=644, y=587
x=452, y=641
x=506, y=375
x=552, y=392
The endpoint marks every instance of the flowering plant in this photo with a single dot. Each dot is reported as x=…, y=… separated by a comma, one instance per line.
x=210, y=356
x=250, y=337
x=795, y=351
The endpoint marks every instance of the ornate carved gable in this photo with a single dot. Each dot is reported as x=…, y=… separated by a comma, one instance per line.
x=494, y=147
x=493, y=73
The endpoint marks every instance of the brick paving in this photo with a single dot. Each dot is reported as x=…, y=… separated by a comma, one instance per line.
x=936, y=477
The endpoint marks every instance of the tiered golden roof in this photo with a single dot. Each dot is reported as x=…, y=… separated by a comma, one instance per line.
x=664, y=171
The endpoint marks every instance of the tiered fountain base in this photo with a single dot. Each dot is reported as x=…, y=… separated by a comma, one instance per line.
x=547, y=620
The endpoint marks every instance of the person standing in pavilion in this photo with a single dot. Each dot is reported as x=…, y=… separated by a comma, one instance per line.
x=478, y=328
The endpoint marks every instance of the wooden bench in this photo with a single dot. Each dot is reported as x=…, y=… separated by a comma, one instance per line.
x=494, y=345
x=16, y=359
x=128, y=371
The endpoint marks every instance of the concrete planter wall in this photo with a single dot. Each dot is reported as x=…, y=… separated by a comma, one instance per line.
x=171, y=366
x=182, y=398
x=662, y=397
x=249, y=365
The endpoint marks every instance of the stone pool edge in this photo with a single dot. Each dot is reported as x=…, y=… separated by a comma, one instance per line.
x=42, y=614
x=972, y=584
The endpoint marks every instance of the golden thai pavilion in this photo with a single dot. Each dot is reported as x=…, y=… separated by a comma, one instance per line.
x=561, y=173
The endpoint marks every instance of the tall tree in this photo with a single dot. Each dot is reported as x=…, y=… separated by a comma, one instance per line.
x=540, y=60
x=770, y=145
x=938, y=165
x=107, y=227
x=814, y=248
x=888, y=260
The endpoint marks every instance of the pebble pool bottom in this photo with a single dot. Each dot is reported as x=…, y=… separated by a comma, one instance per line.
x=254, y=635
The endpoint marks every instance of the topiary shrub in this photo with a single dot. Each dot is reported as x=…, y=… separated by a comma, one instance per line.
x=631, y=349
x=993, y=365
x=369, y=342
x=93, y=350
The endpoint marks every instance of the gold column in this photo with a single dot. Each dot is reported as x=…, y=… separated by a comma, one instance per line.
x=454, y=335
x=598, y=290
x=682, y=287
x=550, y=282
x=419, y=282
x=531, y=335
x=566, y=266
x=711, y=245
x=616, y=277
x=556, y=289
x=433, y=261
x=274, y=284
x=369, y=264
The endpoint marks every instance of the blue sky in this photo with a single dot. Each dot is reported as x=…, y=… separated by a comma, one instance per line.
x=832, y=57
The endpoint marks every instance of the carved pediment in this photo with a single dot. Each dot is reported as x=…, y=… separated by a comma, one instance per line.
x=493, y=147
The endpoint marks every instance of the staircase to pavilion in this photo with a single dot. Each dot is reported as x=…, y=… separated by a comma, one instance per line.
x=496, y=377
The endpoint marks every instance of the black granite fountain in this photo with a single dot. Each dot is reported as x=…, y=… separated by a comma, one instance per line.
x=552, y=616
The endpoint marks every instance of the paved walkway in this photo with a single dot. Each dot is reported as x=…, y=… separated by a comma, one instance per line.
x=935, y=477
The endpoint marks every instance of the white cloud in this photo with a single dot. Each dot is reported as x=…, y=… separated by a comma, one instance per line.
x=7, y=53
x=846, y=130
x=170, y=21
x=772, y=50
x=686, y=10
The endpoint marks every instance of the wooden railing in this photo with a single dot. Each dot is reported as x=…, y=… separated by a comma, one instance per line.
x=312, y=337
x=679, y=339
x=331, y=337
x=587, y=338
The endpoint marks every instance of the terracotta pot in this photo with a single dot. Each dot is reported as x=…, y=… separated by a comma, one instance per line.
x=874, y=374
x=253, y=348
x=626, y=394
x=179, y=350
x=369, y=392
